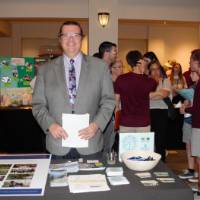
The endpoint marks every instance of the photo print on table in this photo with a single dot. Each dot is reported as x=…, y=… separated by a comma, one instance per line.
x=19, y=176
x=25, y=166
x=2, y=178
x=4, y=168
x=17, y=183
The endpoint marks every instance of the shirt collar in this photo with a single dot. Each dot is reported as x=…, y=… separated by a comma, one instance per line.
x=76, y=59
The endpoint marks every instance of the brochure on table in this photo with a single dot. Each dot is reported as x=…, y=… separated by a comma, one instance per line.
x=23, y=175
x=135, y=141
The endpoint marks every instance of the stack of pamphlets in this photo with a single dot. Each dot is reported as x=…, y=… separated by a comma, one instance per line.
x=114, y=171
x=58, y=181
x=58, y=173
x=69, y=167
x=115, y=176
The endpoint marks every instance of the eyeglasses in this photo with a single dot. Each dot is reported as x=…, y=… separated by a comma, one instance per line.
x=67, y=36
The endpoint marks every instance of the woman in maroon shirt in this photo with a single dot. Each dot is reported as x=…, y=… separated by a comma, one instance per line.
x=132, y=92
x=195, y=111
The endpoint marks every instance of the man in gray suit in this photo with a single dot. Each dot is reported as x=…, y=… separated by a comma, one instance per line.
x=108, y=52
x=73, y=83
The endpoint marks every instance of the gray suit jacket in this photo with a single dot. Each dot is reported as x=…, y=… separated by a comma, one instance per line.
x=94, y=96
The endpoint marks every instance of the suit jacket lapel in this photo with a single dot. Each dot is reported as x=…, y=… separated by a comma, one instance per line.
x=82, y=79
x=61, y=78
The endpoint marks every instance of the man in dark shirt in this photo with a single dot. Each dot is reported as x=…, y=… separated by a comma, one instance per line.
x=132, y=90
x=195, y=111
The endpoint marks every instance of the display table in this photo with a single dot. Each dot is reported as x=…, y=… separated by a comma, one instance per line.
x=135, y=190
x=20, y=133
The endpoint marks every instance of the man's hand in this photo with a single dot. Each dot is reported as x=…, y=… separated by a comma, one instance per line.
x=57, y=131
x=89, y=132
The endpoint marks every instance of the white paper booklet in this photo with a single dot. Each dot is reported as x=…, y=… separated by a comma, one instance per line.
x=114, y=171
x=87, y=183
x=118, y=180
x=73, y=123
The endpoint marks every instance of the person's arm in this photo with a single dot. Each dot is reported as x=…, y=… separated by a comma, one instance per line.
x=185, y=83
x=40, y=109
x=160, y=94
x=117, y=98
x=106, y=107
x=163, y=92
x=107, y=101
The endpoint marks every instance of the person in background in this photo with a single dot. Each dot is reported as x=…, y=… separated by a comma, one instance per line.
x=149, y=57
x=159, y=109
x=132, y=92
x=194, y=109
x=178, y=81
x=73, y=83
x=187, y=134
x=116, y=69
x=108, y=52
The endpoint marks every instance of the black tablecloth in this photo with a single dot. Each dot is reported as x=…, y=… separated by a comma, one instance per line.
x=135, y=190
x=19, y=131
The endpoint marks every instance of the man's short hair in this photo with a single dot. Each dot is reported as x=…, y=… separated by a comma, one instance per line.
x=195, y=55
x=105, y=47
x=133, y=57
x=68, y=23
x=96, y=55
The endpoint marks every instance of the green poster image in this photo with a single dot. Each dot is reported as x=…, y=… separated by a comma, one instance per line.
x=16, y=72
x=15, y=77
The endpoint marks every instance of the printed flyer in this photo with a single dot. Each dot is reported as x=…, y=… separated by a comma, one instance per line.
x=23, y=175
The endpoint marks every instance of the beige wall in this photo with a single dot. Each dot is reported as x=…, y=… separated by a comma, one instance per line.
x=187, y=10
x=184, y=10
x=6, y=46
x=173, y=42
x=44, y=8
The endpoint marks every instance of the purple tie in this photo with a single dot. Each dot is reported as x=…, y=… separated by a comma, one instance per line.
x=72, y=83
